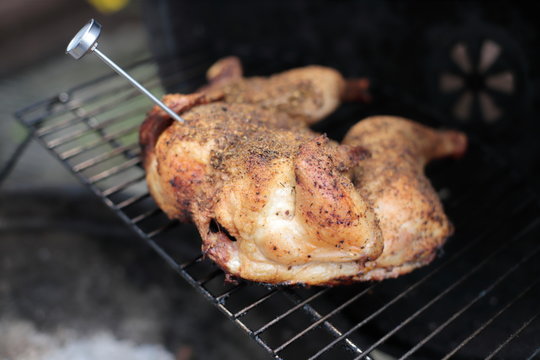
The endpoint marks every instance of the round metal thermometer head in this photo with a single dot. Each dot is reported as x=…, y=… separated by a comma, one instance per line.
x=85, y=40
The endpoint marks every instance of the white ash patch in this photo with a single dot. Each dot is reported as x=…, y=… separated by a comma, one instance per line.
x=21, y=341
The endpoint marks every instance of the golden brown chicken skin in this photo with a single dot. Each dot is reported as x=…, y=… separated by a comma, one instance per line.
x=392, y=180
x=275, y=202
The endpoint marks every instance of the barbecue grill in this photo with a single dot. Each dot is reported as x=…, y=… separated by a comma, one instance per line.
x=478, y=299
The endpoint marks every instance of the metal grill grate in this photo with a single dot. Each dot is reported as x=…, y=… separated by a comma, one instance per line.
x=478, y=299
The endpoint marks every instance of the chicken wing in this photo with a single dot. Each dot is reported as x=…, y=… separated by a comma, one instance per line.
x=275, y=202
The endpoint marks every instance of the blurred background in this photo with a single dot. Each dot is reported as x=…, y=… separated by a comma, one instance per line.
x=74, y=284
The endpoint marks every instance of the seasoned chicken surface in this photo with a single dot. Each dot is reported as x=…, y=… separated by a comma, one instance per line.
x=275, y=202
x=392, y=181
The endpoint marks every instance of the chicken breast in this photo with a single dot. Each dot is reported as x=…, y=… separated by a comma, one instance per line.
x=275, y=202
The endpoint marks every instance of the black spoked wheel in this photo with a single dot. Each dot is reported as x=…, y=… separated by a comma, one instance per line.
x=476, y=77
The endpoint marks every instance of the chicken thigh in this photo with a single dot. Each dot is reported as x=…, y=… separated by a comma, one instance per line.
x=392, y=180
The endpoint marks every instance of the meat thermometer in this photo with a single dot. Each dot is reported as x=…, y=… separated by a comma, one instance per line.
x=85, y=41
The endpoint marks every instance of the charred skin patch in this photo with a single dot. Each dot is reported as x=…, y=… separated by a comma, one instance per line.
x=152, y=127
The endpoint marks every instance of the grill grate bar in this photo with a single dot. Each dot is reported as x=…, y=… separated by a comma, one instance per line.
x=79, y=113
x=188, y=59
x=482, y=293
x=329, y=326
x=76, y=107
x=533, y=355
x=112, y=76
x=324, y=318
x=189, y=263
x=246, y=309
x=111, y=105
x=205, y=292
x=290, y=311
x=134, y=149
x=161, y=229
x=131, y=200
x=76, y=134
x=66, y=155
x=490, y=320
x=114, y=170
x=150, y=83
x=145, y=215
x=164, y=254
x=209, y=277
x=513, y=336
x=122, y=185
x=223, y=297
x=442, y=294
x=402, y=294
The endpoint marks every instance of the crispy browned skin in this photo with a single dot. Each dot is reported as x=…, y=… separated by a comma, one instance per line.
x=275, y=202
x=410, y=214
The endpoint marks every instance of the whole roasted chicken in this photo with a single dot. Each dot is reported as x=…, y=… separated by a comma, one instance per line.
x=275, y=202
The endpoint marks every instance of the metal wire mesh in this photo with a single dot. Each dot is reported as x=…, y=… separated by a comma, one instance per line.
x=440, y=311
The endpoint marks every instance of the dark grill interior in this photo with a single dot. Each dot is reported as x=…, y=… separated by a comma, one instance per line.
x=478, y=299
